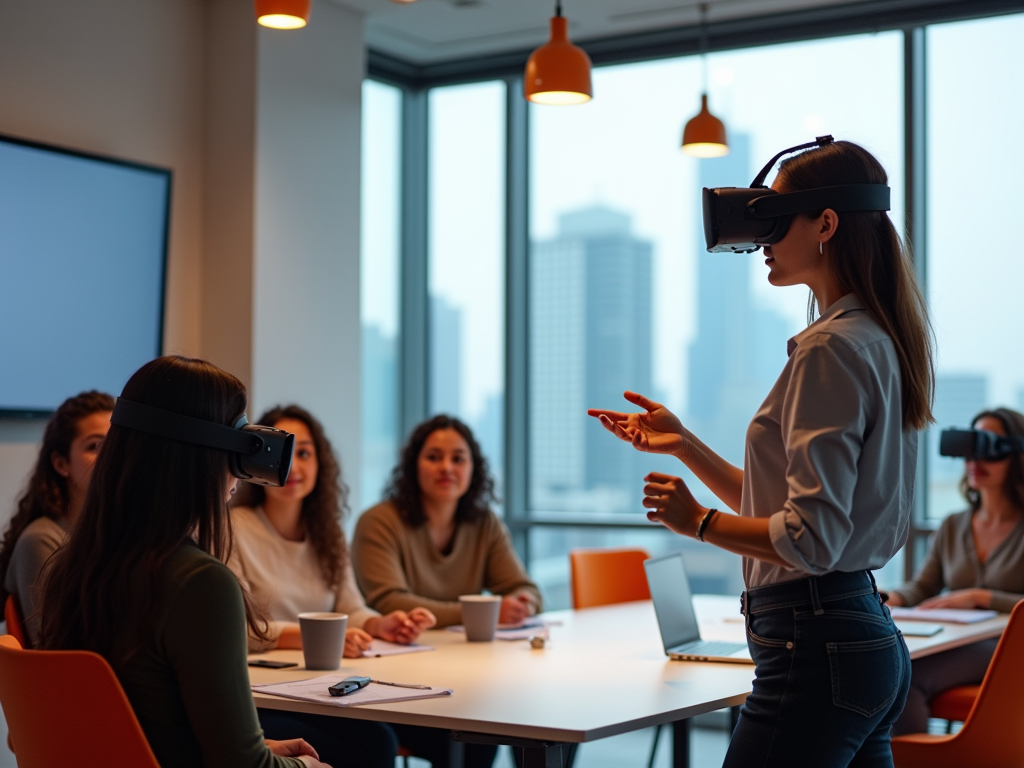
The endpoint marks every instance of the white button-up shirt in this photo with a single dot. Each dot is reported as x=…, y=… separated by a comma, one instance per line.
x=827, y=459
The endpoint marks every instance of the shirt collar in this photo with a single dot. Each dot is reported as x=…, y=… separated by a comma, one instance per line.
x=847, y=303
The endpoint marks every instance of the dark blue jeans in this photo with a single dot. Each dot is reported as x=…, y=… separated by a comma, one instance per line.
x=831, y=677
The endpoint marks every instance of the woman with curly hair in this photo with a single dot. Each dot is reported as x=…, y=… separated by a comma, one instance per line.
x=435, y=537
x=52, y=500
x=290, y=553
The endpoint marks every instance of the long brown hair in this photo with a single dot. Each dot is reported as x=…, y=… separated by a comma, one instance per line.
x=866, y=258
x=47, y=493
x=148, y=496
x=404, y=487
x=325, y=507
x=1013, y=423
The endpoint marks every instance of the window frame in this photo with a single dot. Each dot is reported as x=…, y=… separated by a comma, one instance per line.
x=908, y=16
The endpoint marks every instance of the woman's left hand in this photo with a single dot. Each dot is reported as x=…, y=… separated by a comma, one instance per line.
x=672, y=504
x=291, y=748
x=356, y=641
x=399, y=626
x=959, y=598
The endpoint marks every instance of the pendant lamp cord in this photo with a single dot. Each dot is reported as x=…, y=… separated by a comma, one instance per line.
x=703, y=44
x=558, y=7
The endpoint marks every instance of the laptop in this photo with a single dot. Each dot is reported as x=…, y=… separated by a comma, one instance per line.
x=673, y=605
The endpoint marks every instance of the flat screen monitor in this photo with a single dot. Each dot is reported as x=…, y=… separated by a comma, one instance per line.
x=83, y=254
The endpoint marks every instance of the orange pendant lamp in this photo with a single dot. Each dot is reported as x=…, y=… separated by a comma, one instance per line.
x=558, y=72
x=704, y=135
x=282, y=14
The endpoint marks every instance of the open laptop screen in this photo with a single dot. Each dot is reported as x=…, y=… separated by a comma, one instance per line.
x=670, y=592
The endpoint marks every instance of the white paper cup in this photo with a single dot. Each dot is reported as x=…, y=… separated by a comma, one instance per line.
x=323, y=639
x=480, y=616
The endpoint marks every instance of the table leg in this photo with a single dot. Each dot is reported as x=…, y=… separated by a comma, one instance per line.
x=681, y=744
x=529, y=753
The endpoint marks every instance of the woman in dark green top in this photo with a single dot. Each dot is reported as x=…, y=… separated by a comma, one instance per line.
x=141, y=581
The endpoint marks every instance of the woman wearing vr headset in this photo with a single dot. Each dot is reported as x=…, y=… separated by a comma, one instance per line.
x=827, y=485
x=52, y=500
x=978, y=556
x=141, y=581
x=290, y=553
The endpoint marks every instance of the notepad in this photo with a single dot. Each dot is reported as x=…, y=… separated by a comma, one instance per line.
x=531, y=627
x=948, y=615
x=384, y=648
x=315, y=690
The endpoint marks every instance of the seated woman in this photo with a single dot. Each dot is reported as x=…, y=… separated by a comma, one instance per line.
x=290, y=553
x=53, y=499
x=141, y=582
x=436, y=537
x=978, y=556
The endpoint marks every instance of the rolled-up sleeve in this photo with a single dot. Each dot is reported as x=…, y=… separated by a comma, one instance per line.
x=823, y=426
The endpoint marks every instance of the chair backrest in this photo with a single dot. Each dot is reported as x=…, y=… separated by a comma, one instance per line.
x=15, y=626
x=67, y=708
x=608, y=576
x=993, y=733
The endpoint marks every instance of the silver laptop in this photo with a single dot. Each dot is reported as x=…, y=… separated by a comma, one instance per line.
x=673, y=605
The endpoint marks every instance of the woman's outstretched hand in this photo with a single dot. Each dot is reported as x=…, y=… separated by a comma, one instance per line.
x=672, y=504
x=656, y=430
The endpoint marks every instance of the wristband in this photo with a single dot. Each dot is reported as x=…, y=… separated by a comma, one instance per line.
x=704, y=523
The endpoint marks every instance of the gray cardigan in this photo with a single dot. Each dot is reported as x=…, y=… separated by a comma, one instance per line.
x=952, y=564
x=40, y=539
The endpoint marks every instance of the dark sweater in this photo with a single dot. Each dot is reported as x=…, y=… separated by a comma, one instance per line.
x=189, y=683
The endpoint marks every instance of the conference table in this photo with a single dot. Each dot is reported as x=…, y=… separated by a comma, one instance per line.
x=601, y=673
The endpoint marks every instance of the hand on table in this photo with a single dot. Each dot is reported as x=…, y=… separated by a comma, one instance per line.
x=672, y=504
x=356, y=641
x=299, y=748
x=656, y=430
x=399, y=626
x=515, y=609
x=959, y=598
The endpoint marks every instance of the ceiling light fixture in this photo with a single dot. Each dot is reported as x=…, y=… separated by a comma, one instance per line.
x=282, y=14
x=558, y=72
x=704, y=135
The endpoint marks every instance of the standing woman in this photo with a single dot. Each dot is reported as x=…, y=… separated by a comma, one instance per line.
x=53, y=499
x=827, y=486
x=141, y=581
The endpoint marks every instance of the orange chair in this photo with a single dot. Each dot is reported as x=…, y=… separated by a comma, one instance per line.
x=15, y=626
x=954, y=704
x=67, y=708
x=608, y=576
x=993, y=731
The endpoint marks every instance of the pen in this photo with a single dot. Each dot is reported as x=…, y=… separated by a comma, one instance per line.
x=402, y=685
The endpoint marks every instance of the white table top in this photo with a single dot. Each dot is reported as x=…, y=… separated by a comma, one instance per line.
x=602, y=673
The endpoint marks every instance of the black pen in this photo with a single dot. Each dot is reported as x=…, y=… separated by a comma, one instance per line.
x=402, y=685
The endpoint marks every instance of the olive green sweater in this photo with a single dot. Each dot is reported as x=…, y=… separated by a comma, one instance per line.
x=399, y=568
x=189, y=683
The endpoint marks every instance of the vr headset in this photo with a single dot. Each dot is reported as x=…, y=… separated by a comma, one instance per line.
x=741, y=220
x=257, y=454
x=978, y=444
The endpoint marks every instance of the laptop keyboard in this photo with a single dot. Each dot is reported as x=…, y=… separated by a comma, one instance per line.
x=713, y=648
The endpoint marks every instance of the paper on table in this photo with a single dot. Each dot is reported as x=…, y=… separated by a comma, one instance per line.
x=533, y=622
x=384, y=648
x=315, y=690
x=951, y=615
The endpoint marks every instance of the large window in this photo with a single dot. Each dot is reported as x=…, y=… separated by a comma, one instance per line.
x=379, y=286
x=623, y=294
x=467, y=260
x=975, y=162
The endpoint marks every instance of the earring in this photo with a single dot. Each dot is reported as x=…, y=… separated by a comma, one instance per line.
x=821, y=249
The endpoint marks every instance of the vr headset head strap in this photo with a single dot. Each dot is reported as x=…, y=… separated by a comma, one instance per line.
x=844, y=197
x=185, y=429
x=821, y=141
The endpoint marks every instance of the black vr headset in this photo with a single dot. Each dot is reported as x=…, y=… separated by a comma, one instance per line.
x=258, y=454
x=978, y=444
x=741, y=220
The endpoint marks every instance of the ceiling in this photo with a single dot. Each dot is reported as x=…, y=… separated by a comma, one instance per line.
x=431, y=31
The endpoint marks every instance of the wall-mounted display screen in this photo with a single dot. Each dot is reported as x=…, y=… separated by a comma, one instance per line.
x=83, y=249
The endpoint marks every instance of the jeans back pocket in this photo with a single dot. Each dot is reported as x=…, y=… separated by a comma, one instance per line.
x=866, y=674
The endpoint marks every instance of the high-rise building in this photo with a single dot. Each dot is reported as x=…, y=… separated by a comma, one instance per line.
x=740, y=348
x=445, y=391
x=380, y=406
x=590, y=339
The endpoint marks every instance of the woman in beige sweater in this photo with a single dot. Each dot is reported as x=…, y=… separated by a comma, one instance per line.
x=978, y=556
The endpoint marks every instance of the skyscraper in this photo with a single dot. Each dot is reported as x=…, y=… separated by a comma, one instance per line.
x=445, y=390
x=590, y=336
x=740, y=348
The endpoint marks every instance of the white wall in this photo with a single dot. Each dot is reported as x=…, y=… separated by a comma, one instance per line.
x=261, y=129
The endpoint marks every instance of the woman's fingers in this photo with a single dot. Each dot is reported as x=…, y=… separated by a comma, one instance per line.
x=637, y=399
x=655, y=502
x=660, y=477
